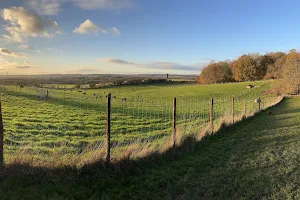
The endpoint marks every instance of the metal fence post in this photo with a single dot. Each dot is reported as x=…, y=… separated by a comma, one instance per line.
x=1, y=138
x=174, y=122
x=211, y=115
x=108, y=112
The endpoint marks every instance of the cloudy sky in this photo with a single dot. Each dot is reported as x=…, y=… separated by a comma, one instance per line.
x=139, y=36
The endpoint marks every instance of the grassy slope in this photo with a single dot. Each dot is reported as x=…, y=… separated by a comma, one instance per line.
x=70, y=128
x=256, y=159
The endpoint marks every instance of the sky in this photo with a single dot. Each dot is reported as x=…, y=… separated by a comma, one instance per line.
x=139, y=36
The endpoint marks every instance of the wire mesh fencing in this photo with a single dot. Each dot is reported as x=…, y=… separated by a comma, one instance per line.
x=43, y=125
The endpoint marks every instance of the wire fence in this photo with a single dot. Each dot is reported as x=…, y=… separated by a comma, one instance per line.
x=42, y=125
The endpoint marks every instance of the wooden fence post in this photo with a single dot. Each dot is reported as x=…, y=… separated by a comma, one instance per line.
x=108, y=112
x=259, y=106
x=211, y=118
x=1, y=138
x=174, y=122
x=245, y=107
x=232, y=109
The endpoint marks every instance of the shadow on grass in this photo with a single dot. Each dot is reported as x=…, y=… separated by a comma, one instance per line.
x=251, y=159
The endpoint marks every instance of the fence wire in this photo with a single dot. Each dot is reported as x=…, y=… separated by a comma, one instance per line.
x=41, y=122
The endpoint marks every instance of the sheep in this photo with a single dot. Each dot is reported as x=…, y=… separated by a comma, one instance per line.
x=124, y=99
x=250, y=86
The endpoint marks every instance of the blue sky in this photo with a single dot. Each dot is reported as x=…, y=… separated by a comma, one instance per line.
x=131, y=36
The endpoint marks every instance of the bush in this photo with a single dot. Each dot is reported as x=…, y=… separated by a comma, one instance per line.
x=77, y=86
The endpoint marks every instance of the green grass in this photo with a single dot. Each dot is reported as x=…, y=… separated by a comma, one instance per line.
x=72, y=123
x=254, y=159
x=64, y=86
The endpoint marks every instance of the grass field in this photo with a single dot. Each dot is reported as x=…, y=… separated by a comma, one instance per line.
x=64, y=86
x=72, y=124
x=254, y=159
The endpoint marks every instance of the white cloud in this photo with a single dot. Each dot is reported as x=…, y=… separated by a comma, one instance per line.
x=22, y=67
x=54, y=50
x=115, y=31
x=172, y=66
x=7, y=52
x=24, y=46
x=46, y=7
x=28, y=47
x=115, y=61
x=89, y=27
x=53, y=7
x=84, y=71
x=104, y=4
x=5, y=64
x=160, y=65
x=22, y=23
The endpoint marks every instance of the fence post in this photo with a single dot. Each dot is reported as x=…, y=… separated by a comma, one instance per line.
x=245, y=107
x=1, y=138
x=259, y=106
x=211, y=115
x=232, y=109
x=174, y=122
x=108, y=109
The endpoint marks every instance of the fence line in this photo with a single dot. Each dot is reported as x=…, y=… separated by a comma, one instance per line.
x=1, y=138
x=115, y=125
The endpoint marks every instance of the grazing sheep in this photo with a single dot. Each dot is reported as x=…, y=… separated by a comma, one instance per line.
x=114, y=97
x=124, y=99
x=250, y=86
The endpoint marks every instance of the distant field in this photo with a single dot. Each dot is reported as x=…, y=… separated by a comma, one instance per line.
x=72, y=122
x=165, y=90
x=64, y=86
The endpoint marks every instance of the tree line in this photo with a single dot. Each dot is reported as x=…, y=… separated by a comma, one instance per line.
x=252, y=67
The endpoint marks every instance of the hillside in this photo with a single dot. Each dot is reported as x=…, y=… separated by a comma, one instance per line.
x=255, y=159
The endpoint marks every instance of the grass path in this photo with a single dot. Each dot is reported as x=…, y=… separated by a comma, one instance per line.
x=255, y=159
